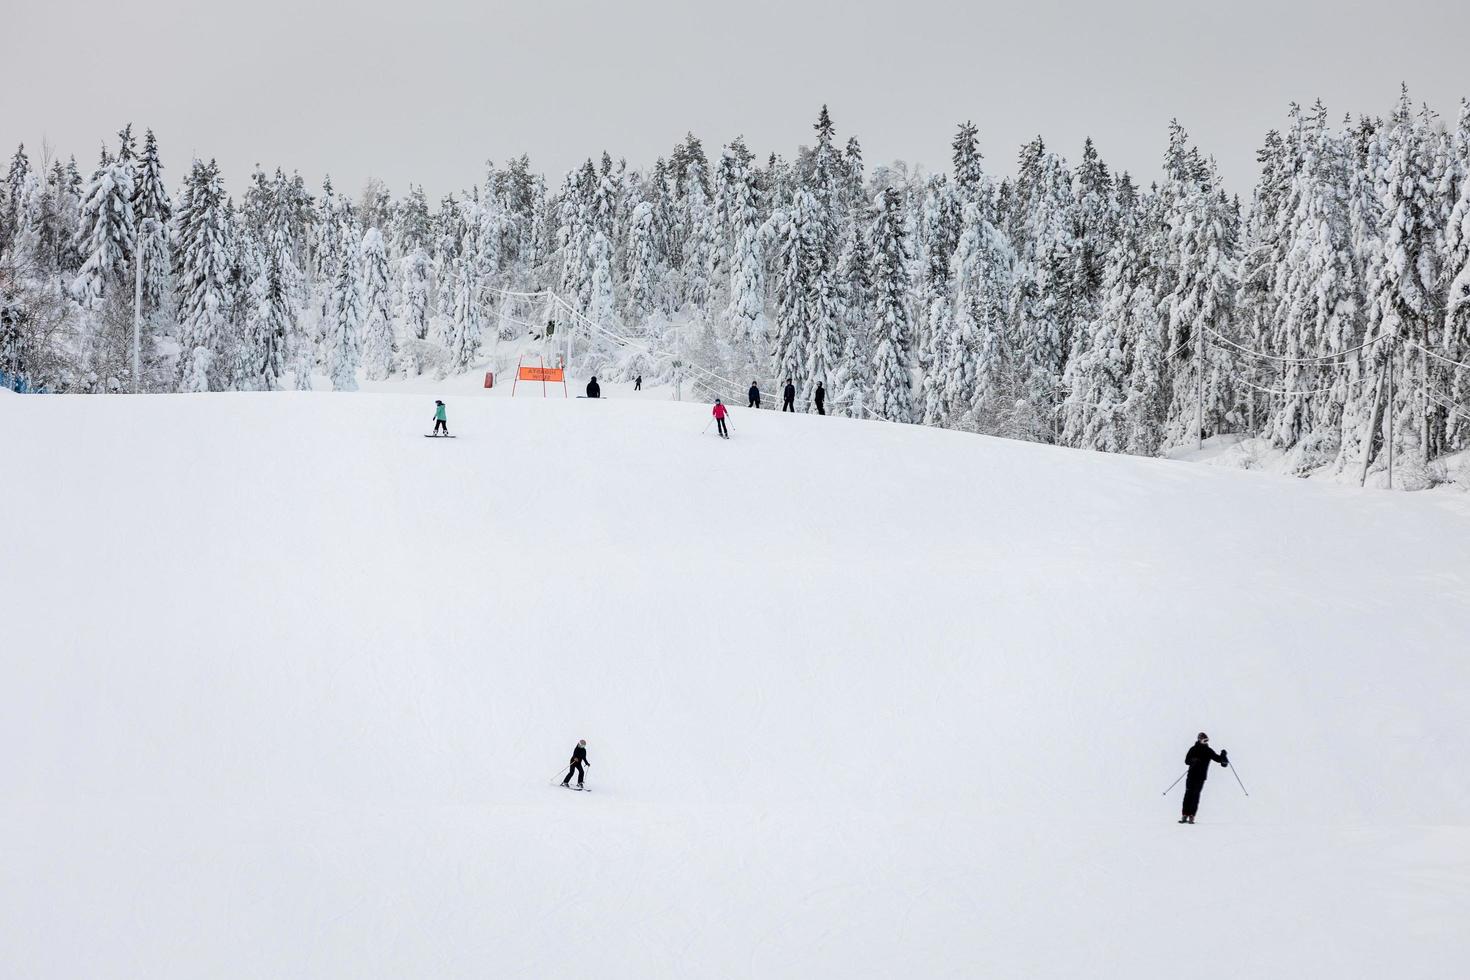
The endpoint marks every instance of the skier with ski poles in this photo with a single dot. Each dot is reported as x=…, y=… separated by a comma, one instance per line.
x=1198, y=759
x=441, y=418
x=719, y=412
x=579, y=759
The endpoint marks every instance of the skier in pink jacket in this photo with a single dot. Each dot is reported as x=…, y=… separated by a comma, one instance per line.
x=720, y=412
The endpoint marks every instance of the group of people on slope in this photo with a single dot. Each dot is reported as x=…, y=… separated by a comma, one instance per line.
x=788, y=397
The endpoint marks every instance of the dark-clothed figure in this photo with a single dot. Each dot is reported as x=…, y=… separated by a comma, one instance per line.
x=755, y=395
x=594, y=390
x=638, y=383
x=579, y=759
x=1198, y=759
x=821, y=399
x=788, y=397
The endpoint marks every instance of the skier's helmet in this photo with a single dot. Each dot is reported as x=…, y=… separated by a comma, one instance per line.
x=438, y=402
x=1202, y=737
x=581, y=741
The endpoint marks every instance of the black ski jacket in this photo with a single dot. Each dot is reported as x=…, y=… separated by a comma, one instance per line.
x=790, y=393
x=821, y=397
x=594, y=390
x=579, y=754
x=1198, y=759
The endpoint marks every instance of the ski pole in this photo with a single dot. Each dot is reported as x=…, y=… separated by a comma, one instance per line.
x=1237, y=779
x=1175, y=782
x=706, y=426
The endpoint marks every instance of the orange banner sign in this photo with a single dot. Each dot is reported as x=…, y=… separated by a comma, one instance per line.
x=540, y=374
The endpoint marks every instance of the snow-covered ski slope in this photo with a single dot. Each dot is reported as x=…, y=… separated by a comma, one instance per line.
x=285, y=688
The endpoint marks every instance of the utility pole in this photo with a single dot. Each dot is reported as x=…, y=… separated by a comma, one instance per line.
x=1389, y=437
x=1199, y=407
x=138, y=304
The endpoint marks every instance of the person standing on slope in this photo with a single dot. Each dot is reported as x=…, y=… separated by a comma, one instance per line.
x=788, y=397
x=638, y=383
x=579, y=759
x=821, y=399
x=1198, y=759
x=755, y=395
x=594, y=390
x=720, y=411
x=441, y=418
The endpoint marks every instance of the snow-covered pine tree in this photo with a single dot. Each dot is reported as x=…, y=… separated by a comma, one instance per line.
x=413, y=307
x=1201, y=308
x=1402, y=299
x=891, y=382
x=106, y=235
x=1316, y=300
x=153, y=211
x=851, y=382
x=602, y=306
x=342, y=329
x=377, y=331
x=644, y=269
x=969, y=173
x=203, y=255
x=783, y=232
x=699, y=241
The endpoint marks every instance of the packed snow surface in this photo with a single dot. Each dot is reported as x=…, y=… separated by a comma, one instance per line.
x=285, y=690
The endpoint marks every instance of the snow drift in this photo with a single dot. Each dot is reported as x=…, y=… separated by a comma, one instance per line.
x=285, y=689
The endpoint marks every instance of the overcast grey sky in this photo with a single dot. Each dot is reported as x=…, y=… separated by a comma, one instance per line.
x=426, y=91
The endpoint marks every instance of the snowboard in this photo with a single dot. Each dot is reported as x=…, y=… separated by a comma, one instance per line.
x=432, y=436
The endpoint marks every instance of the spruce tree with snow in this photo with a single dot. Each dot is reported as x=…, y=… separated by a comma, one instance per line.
x=974, y=367
x=850, y=383
x=1317, y=297
x=377, y=331
x=342, y=331
x=938, y=231
x=1112, y=385
x=699, y=241
x=891, y=396
x=746, y=312
x=464, y=325
x=1200, y=308
x=413, y=308
x=602, y=307
x=271, y=323
x=15, y=188
x=783, y=232
x=969, y=173
x=1402, y=298
x=644, y=268
x=107, y=234
x=153, y=210
x=203, y=254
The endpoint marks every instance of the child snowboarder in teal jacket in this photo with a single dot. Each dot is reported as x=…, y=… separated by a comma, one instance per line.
x=441, y=418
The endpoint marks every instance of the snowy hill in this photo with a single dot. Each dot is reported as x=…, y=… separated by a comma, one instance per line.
x=285, y=689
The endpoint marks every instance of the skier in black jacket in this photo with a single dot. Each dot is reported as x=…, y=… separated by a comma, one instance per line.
x=821, y=399
x=755, y=395
x=594, y=390
x=788, y=397
x=579, y=759
x=1198, y=759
